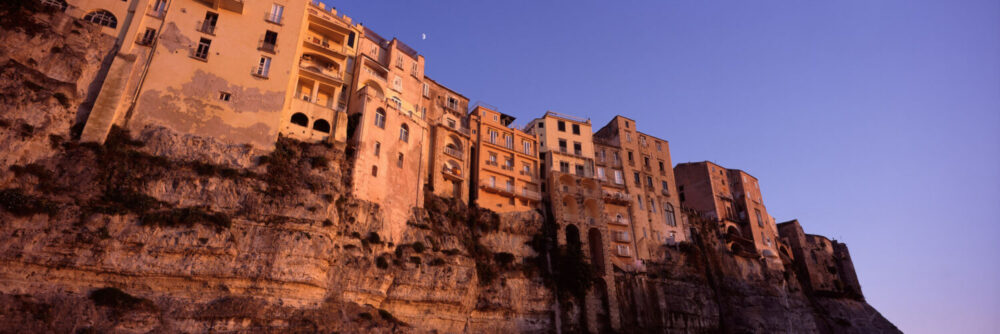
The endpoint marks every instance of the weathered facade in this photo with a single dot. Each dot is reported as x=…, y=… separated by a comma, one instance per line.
x=641, y=163
x=733, y=198
x=826, y=265
x=451, y=141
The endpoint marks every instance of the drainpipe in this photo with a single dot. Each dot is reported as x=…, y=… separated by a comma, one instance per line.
x=145, y=67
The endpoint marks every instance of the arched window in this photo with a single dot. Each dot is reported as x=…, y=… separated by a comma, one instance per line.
x=380, y=118
x=404, y=133
x=300, y=119
x=102, y=17
x=668, y=210
x=321, y=125
x=59, y=4
x=619, y=218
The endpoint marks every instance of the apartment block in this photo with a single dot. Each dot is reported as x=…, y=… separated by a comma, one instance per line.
x=638, y=166
x=451, y=141
x=618, y=206
x=240, y=72
x=733, y=198
x=391, y=136
x=508, y=171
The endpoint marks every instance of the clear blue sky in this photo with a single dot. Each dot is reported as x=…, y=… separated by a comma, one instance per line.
x=873, y=122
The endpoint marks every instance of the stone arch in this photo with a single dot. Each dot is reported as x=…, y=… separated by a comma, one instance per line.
x=567, y=183
x=572, y=236
x=596, y=249
x=591, y=185
x=321, y=125
x=569, y=205
x=454, y=143
x=733, y=231
x=379, y=92
x=592, y=209
x=102, y=17
x=300, y=119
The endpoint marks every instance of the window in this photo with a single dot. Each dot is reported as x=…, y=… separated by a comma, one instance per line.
x=645, y=161
x=321, y=125
x=661, y=166
x=626, y=124
x=404, y=133
x=399, y=161
x=562, y=145
x=427, y=90
x=649, y=181
x=526, y=170
x=659, y=146
x=508, y=163
x=628, y=136
x=378, y=148
x=102, y=17
x=629, y=156
x=600, y=173
x=668, y=210
x=577, y=148
x=451, y=123
x=58, y=4
x=493, y=158
x=652, y=204
x=375, y=171
x=642, y=139
x=508, y=141
x=399, y=61
x=541, y=125
x=493, y=137
x=493, y=181
x=640, y=205
x=561, y=126
x=263, y=67
x=397, y=83
x=202, y=51
x=269, y=42
x=579, y=170
x=413, y=69
x=760, y=222
x=225, y=96
x=453, y=104
x=395, y=102
x=380, y=118
x=619, y=179
x=664, y=185
x=510, y=186
x=617, y=158
x=638, y=180
x=564, y=167
x=527, y=147
x=208, y=25
x=147, y=37
x=576, y=129
x=276, y=12
x=300, y=119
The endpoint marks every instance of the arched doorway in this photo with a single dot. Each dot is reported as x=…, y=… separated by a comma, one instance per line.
x=573, y=237
x=596, y=249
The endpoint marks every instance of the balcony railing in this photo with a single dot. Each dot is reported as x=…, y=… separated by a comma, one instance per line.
x=618, y=221
x=266, y=46
x=454, y=152
x=615, y=197
x=326, y=45
x=319, y=68
x=665, y=192
x=530, y=194
x=504, y=190
x=621, y=237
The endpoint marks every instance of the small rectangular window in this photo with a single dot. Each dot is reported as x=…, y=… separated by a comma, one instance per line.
x=203, y=46
x=147, y=37
x=208, y=25
x=427, y=91
x=275, y=15
x=225, y=96
x=263, y=66
x=269, y=41
x=561, y=126
x=576, y=129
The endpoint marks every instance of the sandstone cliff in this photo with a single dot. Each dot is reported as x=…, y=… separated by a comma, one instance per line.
x=160, y=232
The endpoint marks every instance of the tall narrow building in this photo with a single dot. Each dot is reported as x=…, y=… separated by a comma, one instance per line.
x=451, y=141
x=507, y=165
x=639, y=163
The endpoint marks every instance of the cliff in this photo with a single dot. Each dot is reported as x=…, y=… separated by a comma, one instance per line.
x=159, y=232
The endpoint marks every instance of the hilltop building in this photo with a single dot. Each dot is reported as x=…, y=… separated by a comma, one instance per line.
x=507, y=165
x=826, y=265
x=636, y=166
x=733, y=198
x=451, y=141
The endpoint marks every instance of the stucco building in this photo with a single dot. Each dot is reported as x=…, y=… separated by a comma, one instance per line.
x=506, y=172
x=237, y=71
x=451, y=141
x=733, y=198
x=638, y=165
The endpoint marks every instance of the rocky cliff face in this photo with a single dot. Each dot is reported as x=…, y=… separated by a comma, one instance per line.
x=160, y=232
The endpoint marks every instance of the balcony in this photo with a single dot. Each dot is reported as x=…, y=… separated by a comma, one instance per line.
x=530, y=194
x=527, y=173
x=665, y=192
x=454, y=152
x=618, y=221
x=615, y=197
x=621, y=237
x=507, y=167
x=623, y=251
x=502, y=190
x=322, y=70
x=454, y=173
x=266, y=46
x=326, y=47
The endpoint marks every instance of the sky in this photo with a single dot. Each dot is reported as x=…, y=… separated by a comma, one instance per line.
x=874, y=122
